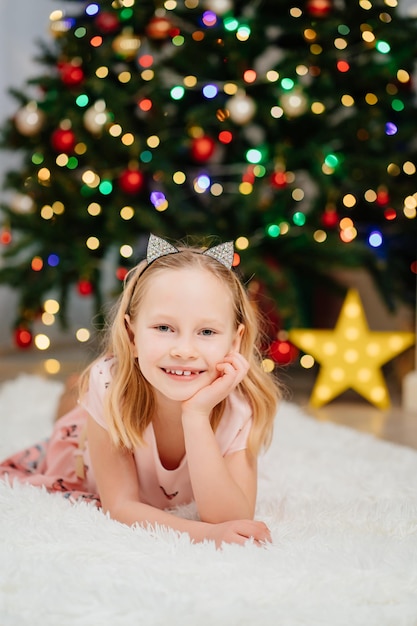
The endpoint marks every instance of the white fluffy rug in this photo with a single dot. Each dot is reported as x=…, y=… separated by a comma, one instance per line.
x=342, y=507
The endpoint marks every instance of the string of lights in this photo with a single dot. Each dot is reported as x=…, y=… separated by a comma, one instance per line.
x=287, y=127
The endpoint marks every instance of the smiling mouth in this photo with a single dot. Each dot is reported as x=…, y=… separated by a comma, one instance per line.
x=181, y=373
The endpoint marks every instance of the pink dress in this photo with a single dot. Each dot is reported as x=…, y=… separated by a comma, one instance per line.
x=62, y=463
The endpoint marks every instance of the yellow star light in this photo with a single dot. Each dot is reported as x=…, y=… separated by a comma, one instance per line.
x=351, y=355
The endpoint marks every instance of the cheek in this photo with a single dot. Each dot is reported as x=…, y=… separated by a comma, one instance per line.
x=149, y=349
x=144, y=362
x=218, y=350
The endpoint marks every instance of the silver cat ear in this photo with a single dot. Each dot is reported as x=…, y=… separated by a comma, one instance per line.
x=158, y=247
x=223, y=253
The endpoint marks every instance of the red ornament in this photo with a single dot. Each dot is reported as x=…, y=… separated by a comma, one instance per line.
x=282, y=352
x=330, y=218
x=225, y=136
x=23, y=337
x=249, y=175
x=319, y=8
x=279, y=179
x=390, y=214
x=121, y=273
x=160, y=28
x=71, y=75
x=85, y=287
x=5, y=236
x=202, y=148
x=63, y=140
x=107, y=22
x=131, y=181
x=382, y=197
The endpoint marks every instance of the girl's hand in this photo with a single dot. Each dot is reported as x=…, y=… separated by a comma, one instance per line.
x=239, y=531
x=231, y=371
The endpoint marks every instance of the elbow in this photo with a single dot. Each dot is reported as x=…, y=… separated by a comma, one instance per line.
x=117, y=511
x=112, y=510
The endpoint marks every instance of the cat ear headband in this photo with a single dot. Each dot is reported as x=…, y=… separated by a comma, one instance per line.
x=157, y=247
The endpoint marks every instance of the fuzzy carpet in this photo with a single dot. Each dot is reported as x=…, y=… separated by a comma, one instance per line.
x=342, y=507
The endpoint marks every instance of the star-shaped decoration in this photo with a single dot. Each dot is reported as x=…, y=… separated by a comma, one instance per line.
x=351, y=355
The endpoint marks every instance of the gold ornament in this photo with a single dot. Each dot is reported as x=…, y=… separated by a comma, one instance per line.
x=20, y=203
x=29, y=120
x=294, y=103
x=351, y=355
x=96, y=117
x=126, y=45
x=219, y=6
x=241, y=108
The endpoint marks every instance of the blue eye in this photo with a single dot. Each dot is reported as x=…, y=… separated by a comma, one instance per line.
x=207, y=332
x=163, y=328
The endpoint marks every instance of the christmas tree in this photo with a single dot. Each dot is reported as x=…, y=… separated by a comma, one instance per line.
x=287, y=127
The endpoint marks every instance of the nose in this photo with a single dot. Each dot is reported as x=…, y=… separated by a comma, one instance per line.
x=183, y=347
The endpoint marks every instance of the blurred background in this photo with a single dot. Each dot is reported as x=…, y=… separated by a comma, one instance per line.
x=288, y=127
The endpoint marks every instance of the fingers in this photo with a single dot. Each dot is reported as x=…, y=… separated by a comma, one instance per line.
x=238, y=361
x=231, y=372
x=234, y=364
x=241, y=532
x=260, y=532
x=251, y=530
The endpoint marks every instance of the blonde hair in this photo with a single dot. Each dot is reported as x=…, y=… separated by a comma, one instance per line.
x=130, y=403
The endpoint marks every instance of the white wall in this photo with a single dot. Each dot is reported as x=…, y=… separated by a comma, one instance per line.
x=21, y=24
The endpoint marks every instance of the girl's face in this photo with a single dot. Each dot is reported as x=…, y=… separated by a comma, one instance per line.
x=185, y=326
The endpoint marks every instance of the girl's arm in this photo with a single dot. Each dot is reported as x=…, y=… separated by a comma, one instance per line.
x=224, y=487
x=118, y=486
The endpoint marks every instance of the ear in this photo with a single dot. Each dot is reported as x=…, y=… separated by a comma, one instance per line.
x=238, y=338
x=130, y=334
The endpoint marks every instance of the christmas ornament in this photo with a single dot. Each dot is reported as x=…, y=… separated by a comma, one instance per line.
x=241, y=108
x=351, y=355
x=58, y=28
x=5, y=236
x=202, y=148
x=329, y=218
x=71, y=74
x=63, y=140
x=282, y=352
x=20, y=203
x=23, y=337
x=85, y=287
x=126, y=45
x=294, y=103
x=96, y=117
x=382, y=196
x=29, y=120
x=319, y=8
x=107, y=22
x=159, y=28
x=121, y=273
x=131, y=181
x=219, y=6
x=279, y=179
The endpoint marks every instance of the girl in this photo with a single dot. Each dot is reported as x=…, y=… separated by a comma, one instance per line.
x=175, y=409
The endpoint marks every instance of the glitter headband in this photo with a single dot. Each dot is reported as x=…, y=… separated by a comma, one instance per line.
x=157, y=247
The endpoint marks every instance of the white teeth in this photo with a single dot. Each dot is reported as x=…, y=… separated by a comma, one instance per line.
x=179, y=372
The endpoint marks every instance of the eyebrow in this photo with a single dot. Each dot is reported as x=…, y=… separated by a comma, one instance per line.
x=161, y=316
